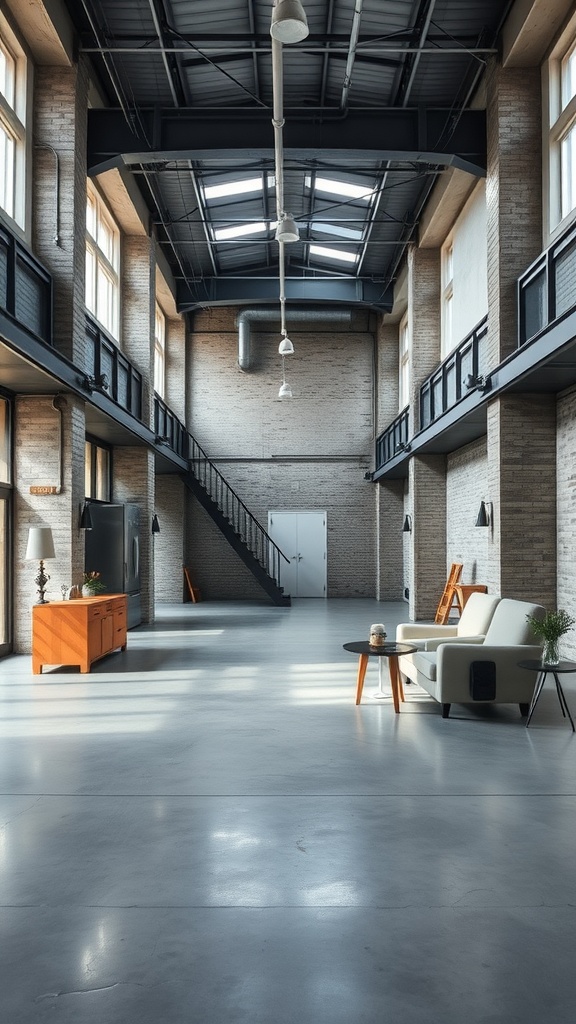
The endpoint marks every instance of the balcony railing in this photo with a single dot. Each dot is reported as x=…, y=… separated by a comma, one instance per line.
x=169, y=430
x=547, y=290
x=447, y=385
x=393, y=440
x=25, y=288
x=123, y=383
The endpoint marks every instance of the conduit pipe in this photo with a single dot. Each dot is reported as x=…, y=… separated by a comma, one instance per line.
x=247, y=317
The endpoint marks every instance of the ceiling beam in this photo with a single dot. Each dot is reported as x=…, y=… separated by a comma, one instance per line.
x=225, y=291
x=409, y=134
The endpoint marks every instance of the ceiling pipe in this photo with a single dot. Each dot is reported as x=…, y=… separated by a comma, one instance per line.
x=247, y=317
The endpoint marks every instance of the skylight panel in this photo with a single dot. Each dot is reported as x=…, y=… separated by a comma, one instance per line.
x=334, y=254
x=232, y=188
x=239, y=231
x=346, y=189
x=339, y=230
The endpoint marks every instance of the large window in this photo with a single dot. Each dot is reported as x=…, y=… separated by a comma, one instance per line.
x=447, y=299
x=159, y=352
x=13, y=88
x=562, y=144
x=102, y=264
x=98, y=471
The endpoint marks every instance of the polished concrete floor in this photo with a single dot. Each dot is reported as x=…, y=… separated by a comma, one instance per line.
x=206, y=830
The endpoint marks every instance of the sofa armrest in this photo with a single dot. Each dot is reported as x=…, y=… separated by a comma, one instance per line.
x=433, y=645
x=421, y=630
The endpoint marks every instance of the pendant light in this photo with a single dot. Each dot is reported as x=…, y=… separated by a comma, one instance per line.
x=289, y=22
x=287, y=230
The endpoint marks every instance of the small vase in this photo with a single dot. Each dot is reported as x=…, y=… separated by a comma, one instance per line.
x=87, y=591
x=550, y=652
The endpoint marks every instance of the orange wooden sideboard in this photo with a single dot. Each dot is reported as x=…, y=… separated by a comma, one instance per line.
x=78, y=632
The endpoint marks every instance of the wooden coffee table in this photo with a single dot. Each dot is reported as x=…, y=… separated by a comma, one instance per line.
x=390, y=651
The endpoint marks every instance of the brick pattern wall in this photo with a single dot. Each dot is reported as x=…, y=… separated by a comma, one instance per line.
x=168, y=545
x=133, y=481
x=424, y=322
x=175, y=396
x=522, y=482
x=310, y=452
x=513, y=195
x=387, y=390
x=60, y=122
x=566, y=540
x=138, y=313
x=36, y=462
x=466, y=487
x=390, y=540
x=427, y=475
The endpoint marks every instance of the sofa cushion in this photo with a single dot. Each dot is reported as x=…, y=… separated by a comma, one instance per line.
x=509, y=625
x=426, y=664
x=477, y=614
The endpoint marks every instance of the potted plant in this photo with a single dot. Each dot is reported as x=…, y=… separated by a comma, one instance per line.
x=550, y=629
x=92, y=584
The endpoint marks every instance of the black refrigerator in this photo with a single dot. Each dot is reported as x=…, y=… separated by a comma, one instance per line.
x=113, y=550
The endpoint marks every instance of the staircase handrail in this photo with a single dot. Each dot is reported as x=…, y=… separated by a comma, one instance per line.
x=241, y=518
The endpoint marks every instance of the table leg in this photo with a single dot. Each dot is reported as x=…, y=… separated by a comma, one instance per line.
x=562, y=699
x=362, y=666
x=535, y=695
x=396, y=682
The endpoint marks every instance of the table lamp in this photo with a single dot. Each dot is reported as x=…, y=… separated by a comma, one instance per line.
x=40, y=546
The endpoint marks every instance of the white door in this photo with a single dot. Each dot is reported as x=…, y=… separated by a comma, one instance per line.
x=302, y=538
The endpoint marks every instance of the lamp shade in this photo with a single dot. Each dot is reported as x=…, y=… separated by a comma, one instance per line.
x=285, y=391
x=483, y=516
x=85, y=517
x=40, y=544
x=287, y=230
x=407, y=527
x=289, y=22
x=286, y=348
x=155, y=524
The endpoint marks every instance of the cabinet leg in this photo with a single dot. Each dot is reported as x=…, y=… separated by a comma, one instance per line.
x=36, y=668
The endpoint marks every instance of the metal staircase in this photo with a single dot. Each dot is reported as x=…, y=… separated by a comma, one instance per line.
x=241, y=529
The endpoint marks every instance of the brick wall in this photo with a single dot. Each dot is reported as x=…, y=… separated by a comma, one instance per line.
x=36, y=462
x=390, y=540
x=168, y=545
x=427, y=476
x=424, y=322
x=466, y=487
x=138, y=312
x=566, y=539
x=175, y=396
x=387, y=391
x=310, y=452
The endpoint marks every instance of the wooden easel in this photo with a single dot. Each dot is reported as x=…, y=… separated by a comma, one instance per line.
x=447, y=600
x=194, y=592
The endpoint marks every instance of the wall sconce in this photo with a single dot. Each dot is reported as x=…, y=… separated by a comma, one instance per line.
x=85, y=518
x=161, y=439
x=407, y=528
x=402, y=446
x=484, y=514
x=478, y=382
x=94, y=383
x=40, y=546
x=155, y=524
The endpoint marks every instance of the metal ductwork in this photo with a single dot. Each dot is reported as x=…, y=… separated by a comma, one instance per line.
x=247, y=317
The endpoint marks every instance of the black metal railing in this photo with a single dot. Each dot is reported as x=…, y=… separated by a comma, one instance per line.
x=109, y=371
x=393, y=440
x=547, y=290
x=448, y=383
x=169, y=430
x=25, y=288
x=244, y=524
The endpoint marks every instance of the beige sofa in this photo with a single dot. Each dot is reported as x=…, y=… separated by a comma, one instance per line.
x=480, y=667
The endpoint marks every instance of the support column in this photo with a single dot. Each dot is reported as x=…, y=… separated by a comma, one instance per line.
x=40, y=461
x=522, y=488
x=176, y=366
x=168, y=545
x=427, y=476
x=387, y=374
x=59, y=198
x=424, y=323
x=134, y=482
x=513, y=195
x=138, y=314
x=390, y=516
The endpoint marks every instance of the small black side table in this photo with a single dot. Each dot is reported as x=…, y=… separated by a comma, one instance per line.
x=390, y=651
x=552, y=670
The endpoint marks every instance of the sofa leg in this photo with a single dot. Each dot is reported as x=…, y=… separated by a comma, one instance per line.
x=445, y=710
x=524, y=709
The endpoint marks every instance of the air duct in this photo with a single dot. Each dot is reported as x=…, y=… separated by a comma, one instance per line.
x=247, y=317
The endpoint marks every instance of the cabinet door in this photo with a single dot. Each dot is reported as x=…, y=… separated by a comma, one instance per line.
x=107, y=633
x=94, y=638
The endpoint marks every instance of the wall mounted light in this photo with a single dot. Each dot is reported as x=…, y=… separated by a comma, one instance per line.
x=484, y=514
x=402, y=446
x=85, y=518
x=289, y=22
x=407, y=527
x=155, y=524
x=478, y=382
x=94, y=383
x=40, y=546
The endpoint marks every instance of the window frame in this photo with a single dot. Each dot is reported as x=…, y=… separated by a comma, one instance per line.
x=15, y=115
x=404, y=362
x=102, y=286
x=160, y=351
x=97, y=470
x=560, y=209
x=447, y=307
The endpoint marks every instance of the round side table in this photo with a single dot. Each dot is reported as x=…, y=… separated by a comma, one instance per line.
x=552, y=670
x=390, y=651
